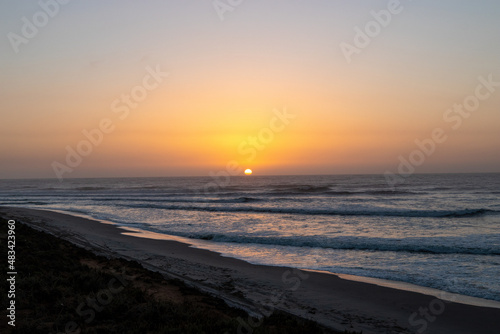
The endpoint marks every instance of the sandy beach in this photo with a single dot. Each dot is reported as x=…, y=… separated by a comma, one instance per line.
x=332, y=301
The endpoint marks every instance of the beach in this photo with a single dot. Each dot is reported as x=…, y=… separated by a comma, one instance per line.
x=260, y=290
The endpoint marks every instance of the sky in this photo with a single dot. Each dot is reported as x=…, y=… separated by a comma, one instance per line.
x=180, y=88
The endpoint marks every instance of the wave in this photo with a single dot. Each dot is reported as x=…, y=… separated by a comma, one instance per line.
x=327, y=190
x=90, y=188
x=181, y=200
x=409, y=245
x=255, y=191
x=373, y=192
x=237, y=200
x=85, y=188
x=305, y=188
x=383, y=212
x=37, y=203
x=23, y=201
x=470, y=213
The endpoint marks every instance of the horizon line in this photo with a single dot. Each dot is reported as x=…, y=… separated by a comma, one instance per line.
x=242, y=175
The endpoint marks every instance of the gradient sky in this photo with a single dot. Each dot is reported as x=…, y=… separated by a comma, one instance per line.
x=227, y=76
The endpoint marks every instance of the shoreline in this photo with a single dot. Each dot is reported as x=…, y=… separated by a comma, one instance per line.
x=336, y=301
x=117, y=296
x=400, y=285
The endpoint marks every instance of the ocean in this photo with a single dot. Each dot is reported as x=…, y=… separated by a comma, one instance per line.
x=436, y=230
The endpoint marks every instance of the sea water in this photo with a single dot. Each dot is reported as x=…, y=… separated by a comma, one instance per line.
x=436, y=230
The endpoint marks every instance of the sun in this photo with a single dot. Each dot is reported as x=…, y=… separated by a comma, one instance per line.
x=248, y=171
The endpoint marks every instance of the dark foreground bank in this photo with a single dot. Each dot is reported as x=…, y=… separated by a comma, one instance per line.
x=61, y=288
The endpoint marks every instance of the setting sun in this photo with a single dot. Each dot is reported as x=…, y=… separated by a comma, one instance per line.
x=248, y=171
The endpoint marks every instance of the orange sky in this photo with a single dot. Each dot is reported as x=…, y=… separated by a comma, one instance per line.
x=226, y=79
